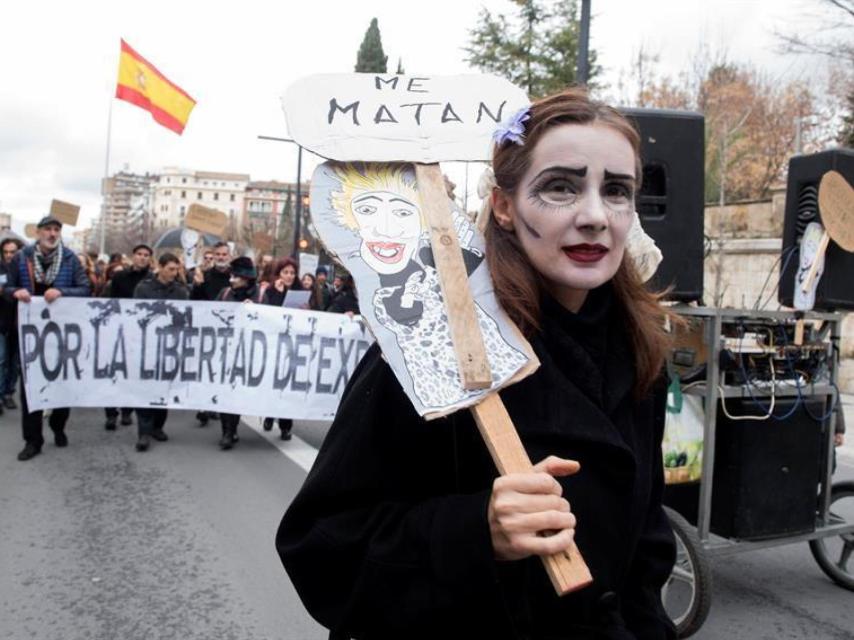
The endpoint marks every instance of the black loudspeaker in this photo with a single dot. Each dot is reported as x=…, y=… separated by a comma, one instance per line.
x=836, y=288
x=670, y=202
x=767, y=473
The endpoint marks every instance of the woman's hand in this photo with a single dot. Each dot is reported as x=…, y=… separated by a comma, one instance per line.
x=527, y=513
x=279, y=284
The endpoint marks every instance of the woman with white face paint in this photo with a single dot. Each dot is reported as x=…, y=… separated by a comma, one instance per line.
x=403, y=529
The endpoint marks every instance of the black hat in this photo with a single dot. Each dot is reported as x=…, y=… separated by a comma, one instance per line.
x=48, y=220
x=142, y=245
x=243, y=267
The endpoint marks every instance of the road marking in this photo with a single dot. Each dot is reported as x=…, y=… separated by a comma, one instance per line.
x=297, y=449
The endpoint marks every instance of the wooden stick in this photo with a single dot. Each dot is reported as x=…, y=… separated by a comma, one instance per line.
x=567, y=571
x=819, y=255
x=474, y=366
x=799, y=332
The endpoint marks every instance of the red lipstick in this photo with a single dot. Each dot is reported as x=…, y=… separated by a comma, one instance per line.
x=585, y=252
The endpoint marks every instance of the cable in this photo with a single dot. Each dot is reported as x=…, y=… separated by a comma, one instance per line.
x=769, y=411
x=789, y=253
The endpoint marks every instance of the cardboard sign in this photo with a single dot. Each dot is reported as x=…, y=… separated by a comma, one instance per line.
x=836, y=201
x=65, y=212
x=370, y=216
x=31, y=230
x=375, y=117
x=262, y=242
x=206, y=220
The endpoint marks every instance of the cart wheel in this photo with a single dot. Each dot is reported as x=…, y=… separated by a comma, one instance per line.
x=833, y=554
x=687, y=595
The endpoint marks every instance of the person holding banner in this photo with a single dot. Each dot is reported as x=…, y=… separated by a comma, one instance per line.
x=49, y=269
x=122, y=287
x=208, y=282
x=403, y=530
x=164, y=285
x=8, y=329
x=243, y=287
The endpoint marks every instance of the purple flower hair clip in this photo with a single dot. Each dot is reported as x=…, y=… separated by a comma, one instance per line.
x=513, y=128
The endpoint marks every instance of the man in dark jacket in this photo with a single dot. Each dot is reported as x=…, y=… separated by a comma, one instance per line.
x=207, y=284
x=8, y=331
x=122, y=287
x=164, y=285
x=47, y=269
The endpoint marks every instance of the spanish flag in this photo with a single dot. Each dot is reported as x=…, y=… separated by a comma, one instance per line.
x=140, y=83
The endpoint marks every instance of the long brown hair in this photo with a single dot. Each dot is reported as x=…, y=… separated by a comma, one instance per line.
x=519, y=286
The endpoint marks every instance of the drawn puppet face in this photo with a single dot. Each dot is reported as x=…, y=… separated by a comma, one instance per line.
x=390, y=226
x=573, y=208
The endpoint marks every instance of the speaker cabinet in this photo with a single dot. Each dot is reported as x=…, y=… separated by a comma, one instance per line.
x=767, y=473
x=836, y=288
x=670, y=202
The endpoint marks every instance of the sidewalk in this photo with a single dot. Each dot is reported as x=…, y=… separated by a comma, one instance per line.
x=846, y=451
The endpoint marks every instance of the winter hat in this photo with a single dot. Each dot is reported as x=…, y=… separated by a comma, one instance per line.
x=243, y=267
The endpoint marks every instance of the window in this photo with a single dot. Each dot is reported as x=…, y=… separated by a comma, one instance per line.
x=232, y=197
x=168, y=180
x=183, y=209
x=200, y=195
x=184, y=180
x=216, y=196
x=183, y=194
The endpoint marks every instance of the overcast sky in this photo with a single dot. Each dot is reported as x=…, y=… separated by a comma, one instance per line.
x=58, y=64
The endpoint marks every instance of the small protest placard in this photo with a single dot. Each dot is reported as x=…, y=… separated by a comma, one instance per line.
x=65, y=212
x=30, y=230
x=308, y=263
x=379, y=117
x=206, y=220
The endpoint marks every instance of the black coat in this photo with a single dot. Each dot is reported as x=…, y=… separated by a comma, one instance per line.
x=124, y=282
x=152, y=289
x=388, y=537
x=215, y=281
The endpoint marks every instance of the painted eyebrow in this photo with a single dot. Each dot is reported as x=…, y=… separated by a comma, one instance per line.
x=618, y=176
x=403, y=200
x=368, y=196
x=575, y=171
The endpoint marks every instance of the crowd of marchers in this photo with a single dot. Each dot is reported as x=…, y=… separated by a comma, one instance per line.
x=48, y=268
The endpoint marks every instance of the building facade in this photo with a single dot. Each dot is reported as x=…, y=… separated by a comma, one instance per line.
x=125, y=211
x=176, y=189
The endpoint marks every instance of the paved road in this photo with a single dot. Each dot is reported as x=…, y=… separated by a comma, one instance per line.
x=99, y=542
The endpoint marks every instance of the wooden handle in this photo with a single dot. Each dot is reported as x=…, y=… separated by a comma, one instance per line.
x=470, y=350
x=799, y=333
x=567, y=571
x=819, y=255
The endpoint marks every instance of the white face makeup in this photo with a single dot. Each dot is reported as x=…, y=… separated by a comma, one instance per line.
x=390, y=226
x=574, y=207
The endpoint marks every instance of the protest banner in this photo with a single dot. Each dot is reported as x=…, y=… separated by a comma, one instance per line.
x=30, y=230
x=422, y=283
x=65, y=212
x=214, y=356
x=206, y=220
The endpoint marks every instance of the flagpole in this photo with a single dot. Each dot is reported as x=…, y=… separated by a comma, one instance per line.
x=106, y=177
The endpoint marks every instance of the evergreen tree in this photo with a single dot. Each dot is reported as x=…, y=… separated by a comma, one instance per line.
x=371, y=58
x=536, y=49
